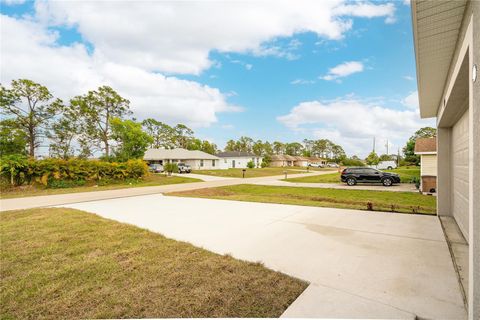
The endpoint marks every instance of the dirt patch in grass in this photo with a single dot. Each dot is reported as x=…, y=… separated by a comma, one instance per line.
x=64, y=263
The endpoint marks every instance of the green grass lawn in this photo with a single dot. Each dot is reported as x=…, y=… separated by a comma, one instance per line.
x=406, y=176
x=406, y=202
x=251, y=173
x=40, y=190
x=60, y=263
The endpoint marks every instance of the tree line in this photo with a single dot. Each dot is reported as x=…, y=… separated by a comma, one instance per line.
x=322, y=148
x=98, y=121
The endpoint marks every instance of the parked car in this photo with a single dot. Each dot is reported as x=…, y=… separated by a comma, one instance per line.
x=386, y=165
x=332, y=165
x=352, y=176
x=184, y=168
x=155, y=167
x=315, y=165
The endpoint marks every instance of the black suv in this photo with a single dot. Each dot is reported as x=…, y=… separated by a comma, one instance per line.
x=368, y=175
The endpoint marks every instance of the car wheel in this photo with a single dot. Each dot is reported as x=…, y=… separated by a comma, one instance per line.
x=387, y=182
x=389, y=168
x=351, y=181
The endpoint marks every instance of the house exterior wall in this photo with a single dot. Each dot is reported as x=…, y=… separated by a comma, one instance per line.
x=301, y=163
x=203, y=164
x=428, y=183
x=240, y=162
x=428, y=165
x=474, y=170
x=279, y=163
x=452, y=168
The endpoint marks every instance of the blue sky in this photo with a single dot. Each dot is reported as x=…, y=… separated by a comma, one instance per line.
x=340, y=70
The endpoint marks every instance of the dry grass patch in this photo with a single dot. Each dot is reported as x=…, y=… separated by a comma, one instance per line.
x=64, y=263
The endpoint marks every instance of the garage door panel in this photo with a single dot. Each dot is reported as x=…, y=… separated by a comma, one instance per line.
x=460, y=173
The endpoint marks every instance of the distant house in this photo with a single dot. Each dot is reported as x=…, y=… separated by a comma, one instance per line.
x=236, y=159
x=301, y=161
x=316, y=160
x=427, y=149
x=195, y=158
x=282, y=160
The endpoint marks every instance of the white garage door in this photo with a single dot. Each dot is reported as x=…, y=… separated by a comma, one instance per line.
x=460, y=173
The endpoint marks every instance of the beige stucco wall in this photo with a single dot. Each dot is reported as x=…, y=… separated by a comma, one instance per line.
x=428, y=165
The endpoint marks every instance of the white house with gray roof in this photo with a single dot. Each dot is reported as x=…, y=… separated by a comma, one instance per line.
x=236, y=159
x=198, y=160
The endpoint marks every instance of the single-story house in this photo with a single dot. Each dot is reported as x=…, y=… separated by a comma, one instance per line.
x=316, y=160
x=195, y=158
x=426, y=148
x=301, y=161
x=237, y=159
x=447, y=53
x=282, y=160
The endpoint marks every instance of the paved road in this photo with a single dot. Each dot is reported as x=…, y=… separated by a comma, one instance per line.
x=53, y=200
x=359, y=264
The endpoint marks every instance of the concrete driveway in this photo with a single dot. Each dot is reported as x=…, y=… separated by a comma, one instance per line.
x=360, y=264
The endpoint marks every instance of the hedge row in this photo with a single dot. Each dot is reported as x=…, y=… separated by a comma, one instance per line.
x=21, y=170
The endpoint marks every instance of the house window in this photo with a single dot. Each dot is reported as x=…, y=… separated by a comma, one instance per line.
x=213, y=163
x=201, y=163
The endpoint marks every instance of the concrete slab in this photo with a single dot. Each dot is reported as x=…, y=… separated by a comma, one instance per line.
x=395, y=265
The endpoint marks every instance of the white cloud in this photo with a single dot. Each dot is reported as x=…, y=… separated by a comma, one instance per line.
x=353, y=123
x=368, y=10
x=411, y=101
x=406, y=2
x=302, y=81
x=30, y=51
x=177, y=36
x=343, y=70
x=409, y=78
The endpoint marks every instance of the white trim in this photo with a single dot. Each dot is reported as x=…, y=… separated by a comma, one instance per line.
x=426, y=152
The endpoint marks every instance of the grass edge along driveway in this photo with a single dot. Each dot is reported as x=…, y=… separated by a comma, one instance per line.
x=66, y=263
x=403, y=202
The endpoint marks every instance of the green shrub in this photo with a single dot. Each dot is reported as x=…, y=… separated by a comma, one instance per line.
x=352, y=163
x=170, y=167
x=250, y=164
x=60, y=184
x=49, y=172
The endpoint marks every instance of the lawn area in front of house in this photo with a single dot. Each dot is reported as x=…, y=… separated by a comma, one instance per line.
x=40, y=190
x=405, y=202
x=251, y=173
x=60, y=263
x=407, y=175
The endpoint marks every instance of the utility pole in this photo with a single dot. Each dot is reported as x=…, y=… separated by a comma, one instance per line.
x=387, y=147
x=373, y=144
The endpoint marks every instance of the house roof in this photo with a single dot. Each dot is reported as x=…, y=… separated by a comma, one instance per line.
x=283, y=157
x=426, y=145
x=177, y=154
x=436, y=27
x=235, y=154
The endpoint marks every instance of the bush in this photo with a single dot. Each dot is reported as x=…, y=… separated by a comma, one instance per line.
x=353, y=163
x=266, y=161
x=170, y=167
x=50, y=172
x=250, y=164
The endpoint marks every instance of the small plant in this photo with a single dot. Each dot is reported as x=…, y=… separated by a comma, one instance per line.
x=416, y=181
x=369, y=206
x=250, y=164
x=170, y=167
x=393, y=208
